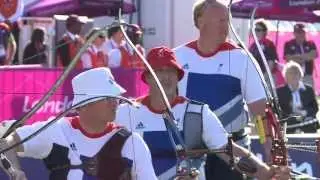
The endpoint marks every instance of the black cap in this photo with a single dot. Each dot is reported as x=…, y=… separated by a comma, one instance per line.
x=299, y=28
x=72, y=19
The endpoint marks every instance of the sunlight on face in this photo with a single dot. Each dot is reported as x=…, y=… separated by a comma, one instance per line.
x=102, y=110
x=293, y=77
x=168, y=77
x=214, y=21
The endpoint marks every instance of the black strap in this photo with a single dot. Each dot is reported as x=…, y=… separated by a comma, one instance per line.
x=111, y=151
x=239, y=135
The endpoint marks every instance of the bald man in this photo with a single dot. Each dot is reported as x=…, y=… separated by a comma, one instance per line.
x=231, y=80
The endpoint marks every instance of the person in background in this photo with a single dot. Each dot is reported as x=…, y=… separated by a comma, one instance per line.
x=221, y=75
x=118, y=51
x=302, y=51
x=297, y=98
x=8, y=46
x=268, y=47
x=135, y=35
x=94, y=57
x=71, y=41
x=35, y=51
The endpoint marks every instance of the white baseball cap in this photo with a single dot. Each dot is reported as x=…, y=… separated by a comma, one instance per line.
x=90, y=85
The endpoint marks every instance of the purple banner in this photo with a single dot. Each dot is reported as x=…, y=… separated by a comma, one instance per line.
x=300, y=4
x=22, y=88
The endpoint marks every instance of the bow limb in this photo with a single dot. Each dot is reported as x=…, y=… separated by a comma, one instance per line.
x=148, y=66
x=270, y=81
x=53, y=89
x=169, y=120
x=168, y=115
x=247, y=52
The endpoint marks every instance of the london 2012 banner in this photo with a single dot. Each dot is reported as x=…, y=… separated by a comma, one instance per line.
x=22, y=88
x=315, y=4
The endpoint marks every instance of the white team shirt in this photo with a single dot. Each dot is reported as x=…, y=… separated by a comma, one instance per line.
x=86, y=57
x=150, y=125
x=111, y=49
x=66, y=140
x=226, y=80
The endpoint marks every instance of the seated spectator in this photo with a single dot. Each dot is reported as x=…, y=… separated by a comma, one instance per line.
x=298, y=99
x=268, y=47
x=35, y=51
x=93, y=57
x=8, y=45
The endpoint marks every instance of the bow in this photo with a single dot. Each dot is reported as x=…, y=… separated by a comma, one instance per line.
x=273, y=112
x=62, y=78
x=183, y=154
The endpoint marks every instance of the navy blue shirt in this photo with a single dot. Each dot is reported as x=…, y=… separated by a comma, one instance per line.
x=292, y=47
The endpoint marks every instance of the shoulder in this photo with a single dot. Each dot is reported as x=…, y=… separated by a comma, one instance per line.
x=29, y=47
x=282, y=88
x=290, y=42
x=197, y=106
x=310, y=42
x=191, y=101
x=269, y=43
x=134, y=140
x=308, y=88
x=187, y=45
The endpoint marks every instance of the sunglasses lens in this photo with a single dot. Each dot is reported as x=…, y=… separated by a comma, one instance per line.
x=258, y=30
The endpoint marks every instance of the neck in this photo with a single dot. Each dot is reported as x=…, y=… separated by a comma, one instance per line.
x=300, y=41
x=117, y=41
x=156, y=100
x=294, y=86
x=208, y=44
x=93, y=127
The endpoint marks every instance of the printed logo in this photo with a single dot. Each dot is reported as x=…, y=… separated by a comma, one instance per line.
x=186, y=66
x=73, y=147
x=219, y=67
x=140, y=125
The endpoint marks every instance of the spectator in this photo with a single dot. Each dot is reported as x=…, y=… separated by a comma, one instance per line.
x=135, y=34
x=71, y=41
x=297, y=98
x=8, y=46
x=268, y=47
x=93, y=57
x=117, y=51
x=35, y=51
x=301, y=51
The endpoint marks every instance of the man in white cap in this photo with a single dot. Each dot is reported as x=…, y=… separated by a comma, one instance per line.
x=88, y=146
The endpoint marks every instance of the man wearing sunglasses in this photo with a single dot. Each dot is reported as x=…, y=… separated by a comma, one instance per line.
x=268, y=47
x=88, y=146
x=301, y=51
